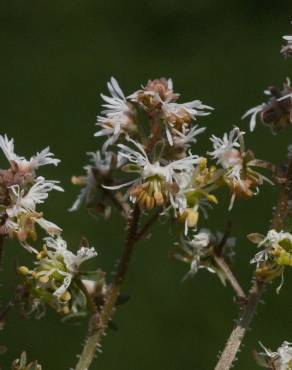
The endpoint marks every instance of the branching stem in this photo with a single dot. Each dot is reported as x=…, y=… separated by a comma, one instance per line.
x=230, y=277
x=245, y=317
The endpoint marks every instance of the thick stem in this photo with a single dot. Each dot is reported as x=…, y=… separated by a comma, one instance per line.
x=234, y=342
x=245, y=317
x=99, y=322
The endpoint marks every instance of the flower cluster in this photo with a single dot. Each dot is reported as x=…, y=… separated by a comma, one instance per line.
x=161, y=169
x=198, y=252
x=279, y=360
x=238, y=165
x=53, y=281
x=275, y=255
x=21, y=190
x=99, y=172
x=276, y=112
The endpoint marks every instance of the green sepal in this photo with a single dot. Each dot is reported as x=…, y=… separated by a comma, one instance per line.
x=131, y=168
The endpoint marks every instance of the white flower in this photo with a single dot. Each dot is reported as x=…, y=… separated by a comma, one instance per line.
x=280, y=360
x=287, y=49
x=287, y=38
x=271, y=241
x=117, y=115
x=22, y=211
x=253, y=112
x=226, y=149
x=273, y=237
x=89, y=185
x=181, y=115
x=195, y=249
x=260, y=257
x=42, y=158
x=112, y=127
x=102, y=165
x=57, y=250
x=187, y=136
x=274, y=111
x=284, y=361
x=25, y=202
x=166, y=172
x=117, y=103
x=193, y=109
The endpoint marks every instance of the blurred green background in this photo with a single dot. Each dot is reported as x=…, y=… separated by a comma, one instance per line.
x=56, y=57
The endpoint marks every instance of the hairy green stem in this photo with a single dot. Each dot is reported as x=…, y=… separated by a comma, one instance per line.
x=100, y=320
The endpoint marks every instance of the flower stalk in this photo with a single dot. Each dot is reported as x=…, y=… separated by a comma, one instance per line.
x=237, y=335
x=230, y=277
x=100, y=322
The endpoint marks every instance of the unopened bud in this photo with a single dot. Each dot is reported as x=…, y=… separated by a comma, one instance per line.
x=44, y=279
x=23, y=270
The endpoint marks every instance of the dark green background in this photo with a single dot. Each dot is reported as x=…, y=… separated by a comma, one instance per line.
x=56, y=57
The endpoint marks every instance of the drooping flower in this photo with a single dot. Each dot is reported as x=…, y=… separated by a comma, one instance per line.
x=198, y=251
x=276, y=253
x=57, y=266
x=237, y=164
x=156, y=180
x=57, y=281
x=277, y=247
x=98, y=173
x=194, y=250
x=286, y=49
x=20, y=215
x=276, y=112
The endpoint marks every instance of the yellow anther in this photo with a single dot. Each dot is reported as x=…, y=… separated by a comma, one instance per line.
x=211, y=198
x=149, y=202
x=203, y=163
x=77, y=180
x=142, y=198
x=158, y=198
x=40, y=255
x=192, y=218
x=65, y=297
